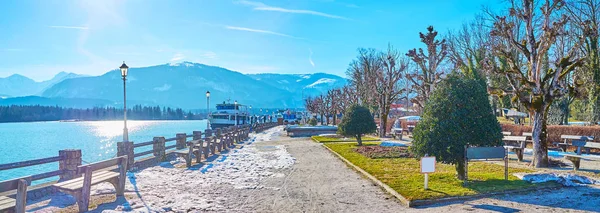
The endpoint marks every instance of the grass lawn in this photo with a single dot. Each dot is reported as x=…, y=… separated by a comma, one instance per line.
x=323, y=139
x=403, y=175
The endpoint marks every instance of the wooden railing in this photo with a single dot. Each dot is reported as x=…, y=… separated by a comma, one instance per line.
x=70, y=159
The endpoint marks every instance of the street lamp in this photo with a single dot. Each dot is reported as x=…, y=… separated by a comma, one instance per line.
x=236, y=111
x=124, y=68
x=207, y=109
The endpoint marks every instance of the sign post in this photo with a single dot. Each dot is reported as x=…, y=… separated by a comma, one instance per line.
x=427, y=166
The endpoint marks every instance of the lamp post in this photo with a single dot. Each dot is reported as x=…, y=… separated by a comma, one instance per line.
x=236, y=111
x=248, y=114
x=207, y=109
x=124, y=68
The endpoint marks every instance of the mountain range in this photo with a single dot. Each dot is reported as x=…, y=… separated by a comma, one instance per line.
x=181, y=84
x=17, y=85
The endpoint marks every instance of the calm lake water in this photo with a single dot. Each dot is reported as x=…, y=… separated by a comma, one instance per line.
x=96, y=139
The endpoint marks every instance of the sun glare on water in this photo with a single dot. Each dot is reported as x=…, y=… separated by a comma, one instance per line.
x=110, y=132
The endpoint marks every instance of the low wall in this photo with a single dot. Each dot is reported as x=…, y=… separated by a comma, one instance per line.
x=308, y=131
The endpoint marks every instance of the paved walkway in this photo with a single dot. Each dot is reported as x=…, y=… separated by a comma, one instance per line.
x=316, y=181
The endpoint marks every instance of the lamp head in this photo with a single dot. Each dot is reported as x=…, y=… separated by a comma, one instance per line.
x=124, y=68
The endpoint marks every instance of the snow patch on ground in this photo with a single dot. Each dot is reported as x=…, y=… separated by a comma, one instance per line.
x=166, y=188
x=564, y=179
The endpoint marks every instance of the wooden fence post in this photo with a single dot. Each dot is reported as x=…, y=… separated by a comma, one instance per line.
x=180, y=141
x=198, y=136
x=70, y=160
x=219, y=137
x=126, y=148
x=159, y=148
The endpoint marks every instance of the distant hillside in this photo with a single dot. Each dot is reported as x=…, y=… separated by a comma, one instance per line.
x=18, y=85
x=69, y=102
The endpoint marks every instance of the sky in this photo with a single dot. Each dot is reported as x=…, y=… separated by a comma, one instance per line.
x=39, y=38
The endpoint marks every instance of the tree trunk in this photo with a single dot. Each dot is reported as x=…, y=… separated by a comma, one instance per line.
x=540, y=146
x=382, y=125
x=359, y=140
x=321, y=119
x=460, y=169
x=334, y=119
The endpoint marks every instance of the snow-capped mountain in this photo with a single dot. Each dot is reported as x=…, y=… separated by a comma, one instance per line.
x=302, y=84
x=184, y=85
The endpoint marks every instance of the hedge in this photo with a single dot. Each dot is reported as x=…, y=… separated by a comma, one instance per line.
x=555, y=131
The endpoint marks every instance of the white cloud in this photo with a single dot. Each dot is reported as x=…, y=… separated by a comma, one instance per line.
x=310, y=58
x=209, y=55
x=163, y=88
x=263, y=7
x=70, y=27
x=259, y=31
x=178, y=57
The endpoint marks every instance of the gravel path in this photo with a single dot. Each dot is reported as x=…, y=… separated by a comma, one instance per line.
x=275, y=173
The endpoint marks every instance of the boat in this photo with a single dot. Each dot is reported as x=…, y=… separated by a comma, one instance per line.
x=289, y=116
x=227, y=114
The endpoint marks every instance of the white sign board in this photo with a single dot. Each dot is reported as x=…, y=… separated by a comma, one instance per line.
x=427, y=165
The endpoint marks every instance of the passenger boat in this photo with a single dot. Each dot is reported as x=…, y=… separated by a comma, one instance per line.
x=227, y=114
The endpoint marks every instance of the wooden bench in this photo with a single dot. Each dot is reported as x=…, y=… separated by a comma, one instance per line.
x=587, y=145
x=93, y=174
x=16, y=205
x=518, y=149
x=192, y=149
x=576, y=158
x=506, y=133
x=565, y=144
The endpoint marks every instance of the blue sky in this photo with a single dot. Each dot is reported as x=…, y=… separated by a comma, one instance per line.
x=39, y=38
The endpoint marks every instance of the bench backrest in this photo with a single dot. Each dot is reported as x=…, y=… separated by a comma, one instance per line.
x=506, y=133
x=577, y=137
x=13, y=184
x=528, y=134
x=121, y=160
x=20, y=184
x=585, y=144
x=514, y=138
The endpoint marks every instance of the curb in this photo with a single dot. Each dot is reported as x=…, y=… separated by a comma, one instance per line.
x=415, y=203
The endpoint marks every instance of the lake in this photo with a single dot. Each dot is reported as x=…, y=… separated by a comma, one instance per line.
x=96, y=139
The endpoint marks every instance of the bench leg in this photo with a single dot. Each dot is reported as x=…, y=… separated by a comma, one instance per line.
x=205, y=151
x=576, y=162
x=198, y=156
x=115, y=182
x=188, y=160
x=82, y=201
x=519, y=153
x=212, y=147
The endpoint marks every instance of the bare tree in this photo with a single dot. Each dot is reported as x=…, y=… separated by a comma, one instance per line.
x=363, y=76
x=586, y=19
x=534, y=87
x=427, y=75
x=389, y=84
